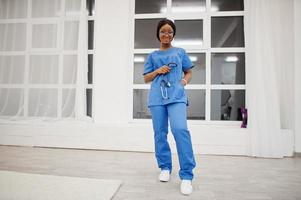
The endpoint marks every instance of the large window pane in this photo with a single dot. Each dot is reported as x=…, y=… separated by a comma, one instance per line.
x=90, y=69
x=70, y=69
x=12, y=69
x=90, y=7
x=226, y=5
x=46, y=8
x=12, y=9
x=43, y=69
x=90, y=35
x=199, y=70
x=226, y=104
x=44, y=36
x=145, y=33
x=147, y=6
x=11, y=102
x=13, y=37
x=140, y=109
x=197, y=106
x=188, y=6
x=228, y=68
x=189, y=33
x=72, y=7
x=68, y=103
x=71, y=35
x=139, y=60
x=227, y=32
x=89, y=102
x=43, y=102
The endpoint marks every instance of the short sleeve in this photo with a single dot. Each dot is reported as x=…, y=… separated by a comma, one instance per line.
x=186, y=62
x=148, y=65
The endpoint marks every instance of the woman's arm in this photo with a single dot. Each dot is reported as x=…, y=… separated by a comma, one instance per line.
x=150, y=76
x=187, y=77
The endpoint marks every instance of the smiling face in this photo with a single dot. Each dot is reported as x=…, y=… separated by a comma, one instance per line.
x=166, y=34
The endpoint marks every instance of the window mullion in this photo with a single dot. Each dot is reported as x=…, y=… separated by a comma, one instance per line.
x=60, y=46
x=208, y=83
x=27, y=58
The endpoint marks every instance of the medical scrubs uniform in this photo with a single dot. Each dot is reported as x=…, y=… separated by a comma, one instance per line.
x=167, y=100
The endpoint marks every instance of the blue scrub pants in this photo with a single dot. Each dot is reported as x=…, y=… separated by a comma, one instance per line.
x=176, y=112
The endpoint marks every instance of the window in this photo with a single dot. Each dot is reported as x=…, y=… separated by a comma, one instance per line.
x=212, y=33
x=39, y=58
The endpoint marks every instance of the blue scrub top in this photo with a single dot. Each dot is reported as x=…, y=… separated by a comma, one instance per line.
x=175, y=92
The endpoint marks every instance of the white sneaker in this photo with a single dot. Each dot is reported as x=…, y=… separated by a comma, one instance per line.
x=186, y=187
x=164, y=176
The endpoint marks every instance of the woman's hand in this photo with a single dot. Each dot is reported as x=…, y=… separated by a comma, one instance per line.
x=150, y=76
x=163, y=70
x=184, y=82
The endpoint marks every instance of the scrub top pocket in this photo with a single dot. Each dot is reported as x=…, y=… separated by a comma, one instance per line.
x=180, y=91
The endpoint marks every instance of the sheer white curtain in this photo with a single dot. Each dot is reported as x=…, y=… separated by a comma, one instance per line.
x=43, y=53
x=269, y=60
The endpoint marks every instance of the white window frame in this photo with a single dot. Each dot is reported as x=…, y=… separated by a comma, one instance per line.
x=206, y=17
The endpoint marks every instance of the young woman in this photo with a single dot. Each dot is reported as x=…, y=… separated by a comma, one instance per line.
x=169, y=70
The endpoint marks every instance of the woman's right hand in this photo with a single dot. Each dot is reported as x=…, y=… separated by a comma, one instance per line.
x=163, y=70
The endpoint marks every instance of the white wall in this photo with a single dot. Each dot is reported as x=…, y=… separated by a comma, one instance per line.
x=111, y=63
x=297, y=110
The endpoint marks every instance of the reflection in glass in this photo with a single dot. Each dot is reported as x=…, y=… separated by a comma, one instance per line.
x=226, y=5
x=199, y=69
x=226, y=104
x=227, y=32
x=196, y=108
x=139, y=60
x=90, y=7
x=147, y=6
x=90, y=34
x=90, y=69
x=89, y=102
x=189, y=33
x=140, y=109
x=188, y=6
x=228, y=68
x=145, y=33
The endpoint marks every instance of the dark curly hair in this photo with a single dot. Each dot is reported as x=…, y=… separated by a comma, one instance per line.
x=162, y=22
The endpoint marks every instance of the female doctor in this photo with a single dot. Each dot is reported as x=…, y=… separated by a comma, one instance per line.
x=169, y=70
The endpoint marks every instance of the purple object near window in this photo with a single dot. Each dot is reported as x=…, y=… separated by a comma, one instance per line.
x=244, y=114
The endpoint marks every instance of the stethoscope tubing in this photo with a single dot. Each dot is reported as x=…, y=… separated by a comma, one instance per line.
x=165, y=83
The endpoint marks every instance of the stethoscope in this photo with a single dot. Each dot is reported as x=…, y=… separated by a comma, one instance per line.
x=165, y=82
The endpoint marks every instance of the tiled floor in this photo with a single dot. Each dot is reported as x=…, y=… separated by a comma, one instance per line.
x=216, y=177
